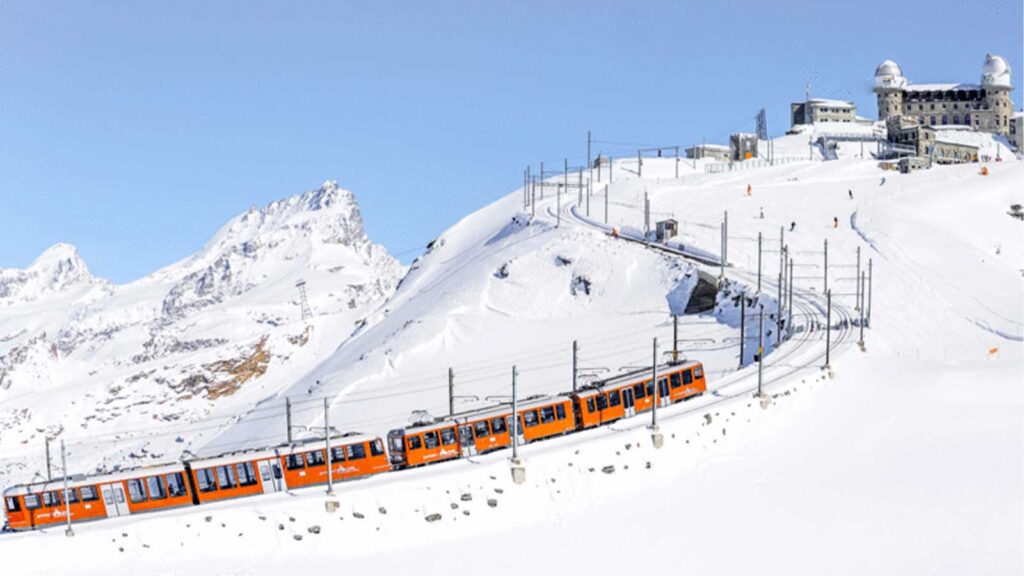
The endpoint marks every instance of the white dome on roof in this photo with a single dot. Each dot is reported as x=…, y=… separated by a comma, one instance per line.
x=889, y=75
x=996, y=72
x=888, y=68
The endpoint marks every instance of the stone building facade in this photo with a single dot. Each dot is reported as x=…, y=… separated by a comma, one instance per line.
x=984, y=107
x=822, y=110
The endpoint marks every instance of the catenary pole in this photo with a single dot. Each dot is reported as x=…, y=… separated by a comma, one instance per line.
x=758, y=262
x=575, y=373
x=760, y=353
x=675, y=338
x=863, y=281
x=67, y=502
x=49, y=473
x=826, y=265
x=451, y=392
x=654, y=382
x=743, y=325
x=288, y=416
x=327, y=448
x=789, y=308
x=828, y=328
x=869, y=291
x=858, y=293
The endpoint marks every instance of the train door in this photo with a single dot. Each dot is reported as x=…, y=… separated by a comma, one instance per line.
x=271, y=476
x=519, y=430
x=663, y=397
x=113, y=498
x=628, y=405
x=466, y=440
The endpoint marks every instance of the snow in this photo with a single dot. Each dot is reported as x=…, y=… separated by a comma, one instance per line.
x=902, y=458
x=941, y=87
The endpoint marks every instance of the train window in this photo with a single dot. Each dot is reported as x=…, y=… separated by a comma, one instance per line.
x=71, y=495
x=226, y=477
x=89, y=494
x=205, y=480
x=294, y=462
x=315, y=458
x=698, y=372
x=415, y=443
x=135, y=490
x=498, y=425
x=529, y=418
x=687, y=377
x=430, y=439
x=31, y=501
x=638, y=391
x=377, y=447
x=396, y=443
x=175, y=485
x=12, y=504
x=51, y=499
x=338, y=453
x=590, y=405
x=246, y=474
x=481, y=429
x=356, y=451
x=155, y=484
x=602, y=401
x=547, y=414
x=674, y=381
x=614, y=399
x=448, y=436
x=650, y=387
x=560, y=411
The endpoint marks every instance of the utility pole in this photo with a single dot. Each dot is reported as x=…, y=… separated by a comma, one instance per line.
x=725, y=255
x=533, y=200
x=647, y=217
x=782, y=247
x=656, y=436
x=542, y=181
x=743, y=325
x=677, y=162
x=575, y=352
x=859, y=293
x=721, y=249
x=518, y=470
x=605, y=203
x=869, y=291
x=758, y=262
x=580, y=186
x=49, y=474
x=327, y=448
x=639, y=165
x=789, y=308
x=67, y=502
x=590, y=164
x=675, y=338
x=611, y=169
x=288, y=417
x=451, y=392
x=760, y=354
x=778, y=313
x=826, y=265
x=828, y=329
x=863, y=280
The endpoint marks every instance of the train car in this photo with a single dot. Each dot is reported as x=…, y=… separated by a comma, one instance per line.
x=424, y=444
x=94, y=497
x=235, y=475
x=628, y=394
x=480, y=431
x=352, y=456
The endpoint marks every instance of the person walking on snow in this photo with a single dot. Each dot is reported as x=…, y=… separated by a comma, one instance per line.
x=749, y=189
x=851, y=194
x=835, y=222
x=882, y=183
x=762, y=212
x=792, y=226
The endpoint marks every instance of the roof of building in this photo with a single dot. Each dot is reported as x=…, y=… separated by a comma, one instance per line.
x=941, y=87
x=832, y=102
x=709, y=147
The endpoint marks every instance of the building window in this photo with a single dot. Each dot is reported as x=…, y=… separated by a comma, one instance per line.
x=956, y=119
x=932, y=121
x=945, y=120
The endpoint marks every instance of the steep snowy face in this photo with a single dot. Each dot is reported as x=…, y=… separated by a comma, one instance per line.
x=57, y=270
x=220, y=328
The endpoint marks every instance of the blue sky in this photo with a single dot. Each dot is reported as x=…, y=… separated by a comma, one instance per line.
x=134, y=130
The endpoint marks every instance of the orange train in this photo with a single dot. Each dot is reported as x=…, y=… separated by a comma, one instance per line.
x=201, y=480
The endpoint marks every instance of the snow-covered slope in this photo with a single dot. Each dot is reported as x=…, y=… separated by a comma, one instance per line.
x=902, y=458
x=121, y=372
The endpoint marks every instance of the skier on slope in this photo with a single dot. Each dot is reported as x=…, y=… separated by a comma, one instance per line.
x=835, y=221
x=792, y=226
x=882, y=183
x=850, y=192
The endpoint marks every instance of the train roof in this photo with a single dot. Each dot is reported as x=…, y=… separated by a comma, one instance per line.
x=79, y=480
x=486, y=412
x=634, y=376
